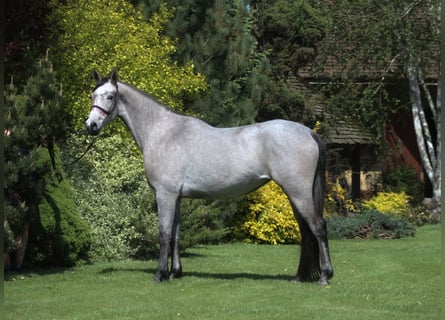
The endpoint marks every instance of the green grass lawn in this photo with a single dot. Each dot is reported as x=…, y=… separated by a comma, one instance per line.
x=377, y=279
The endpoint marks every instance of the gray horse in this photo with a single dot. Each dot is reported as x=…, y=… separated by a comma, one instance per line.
x=186, y=157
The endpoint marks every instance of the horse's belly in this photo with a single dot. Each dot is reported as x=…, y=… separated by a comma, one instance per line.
x=203, y=187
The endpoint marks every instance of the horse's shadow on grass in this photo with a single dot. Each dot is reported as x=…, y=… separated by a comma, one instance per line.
x=208, y=275
x=238, y=275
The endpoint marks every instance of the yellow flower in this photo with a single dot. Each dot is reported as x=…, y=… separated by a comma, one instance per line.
x=270, y=218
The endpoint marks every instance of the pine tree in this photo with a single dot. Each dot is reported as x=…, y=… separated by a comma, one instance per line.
x=287, y=32
x=34, y=122
x=217, y=37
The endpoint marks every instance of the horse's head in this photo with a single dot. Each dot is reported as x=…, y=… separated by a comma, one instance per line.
x=104, y=107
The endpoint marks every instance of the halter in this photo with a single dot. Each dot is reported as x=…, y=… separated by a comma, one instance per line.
x=104, y=111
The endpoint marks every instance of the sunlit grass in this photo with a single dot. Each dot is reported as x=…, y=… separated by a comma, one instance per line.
x=378, y=279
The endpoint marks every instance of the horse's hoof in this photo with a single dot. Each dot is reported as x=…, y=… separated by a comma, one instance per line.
x=175, y=274
x=296, y=280
x=160, y=277
x=323, y=282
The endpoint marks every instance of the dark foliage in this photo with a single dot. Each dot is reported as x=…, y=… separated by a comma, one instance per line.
x=404, y=179
x=27, y=36
x=369, y=224
x=207, y=222
x=58, y=236
x=36, y=193
x=216, y=36
x=287, y=32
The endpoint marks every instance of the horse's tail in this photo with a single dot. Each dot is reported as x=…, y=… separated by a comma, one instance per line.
x=319, y=186
x=309, y=267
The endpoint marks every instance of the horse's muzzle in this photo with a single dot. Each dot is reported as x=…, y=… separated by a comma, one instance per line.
x=92, y=128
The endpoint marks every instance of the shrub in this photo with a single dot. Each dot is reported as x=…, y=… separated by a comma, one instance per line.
x=404, y=179
x=112, y=195
x=391, y=203
x=338, y=199
x=58, y=236
x=370, y=224
x=270, y=218
x=39, y=210
x=206, y=222
x=139, y=49
x=424, y=214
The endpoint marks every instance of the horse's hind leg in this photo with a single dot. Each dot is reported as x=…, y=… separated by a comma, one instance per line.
x=314, y=246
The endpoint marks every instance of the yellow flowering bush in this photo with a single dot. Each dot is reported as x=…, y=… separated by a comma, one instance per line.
x=108, y=35
x=270, y=217
x=317, y=126
x=338, y=200
x=395, y=204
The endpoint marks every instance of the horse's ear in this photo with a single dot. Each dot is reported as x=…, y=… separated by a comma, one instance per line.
x=113, y=77
x=96, y=76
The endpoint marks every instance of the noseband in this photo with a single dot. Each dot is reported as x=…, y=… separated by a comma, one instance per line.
x=102, y=110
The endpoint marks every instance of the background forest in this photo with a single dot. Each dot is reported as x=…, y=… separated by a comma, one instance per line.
x=229, y=62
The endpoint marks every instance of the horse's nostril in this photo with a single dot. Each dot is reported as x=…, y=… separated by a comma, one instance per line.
x=91, y=128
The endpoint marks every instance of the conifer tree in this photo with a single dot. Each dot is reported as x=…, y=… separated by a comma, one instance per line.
x=217, y=37
x=288, y=32
x=34, y=119
x=34, y=122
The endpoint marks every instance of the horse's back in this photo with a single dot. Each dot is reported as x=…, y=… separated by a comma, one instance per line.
x=256, y=144
x=278, y=131
x=205, y=161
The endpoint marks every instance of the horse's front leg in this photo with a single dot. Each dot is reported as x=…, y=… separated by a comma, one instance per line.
x=176, y=268
x=167, y=207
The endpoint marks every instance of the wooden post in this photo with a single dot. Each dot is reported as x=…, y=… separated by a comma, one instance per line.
x=355, y=175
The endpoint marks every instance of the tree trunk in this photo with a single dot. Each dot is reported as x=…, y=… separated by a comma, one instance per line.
x=428, y=152
x=22, y=242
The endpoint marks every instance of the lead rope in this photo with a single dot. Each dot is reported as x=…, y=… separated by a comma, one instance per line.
x=85, y=152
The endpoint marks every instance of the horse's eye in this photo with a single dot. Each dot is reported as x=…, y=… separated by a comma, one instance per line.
x=110, y=97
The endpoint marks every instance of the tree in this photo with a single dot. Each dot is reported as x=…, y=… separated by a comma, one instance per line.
x=247, y=50
x=216, y=36
x=35, y=188
x=400, y=41
x=414, y=50
x=287, y=32
x=107, y=35
x=34, y=119
x=26, y=36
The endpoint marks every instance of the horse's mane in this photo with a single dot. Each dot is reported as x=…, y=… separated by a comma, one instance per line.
x=149, y=96
x=104, y=80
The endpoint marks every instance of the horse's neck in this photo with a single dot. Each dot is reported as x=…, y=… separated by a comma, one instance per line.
x=142, y=115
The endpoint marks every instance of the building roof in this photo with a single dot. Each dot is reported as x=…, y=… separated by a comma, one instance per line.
x=345, y=131
x=348, y=132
